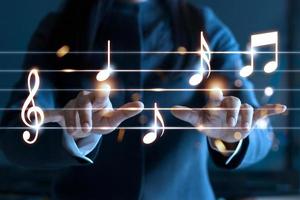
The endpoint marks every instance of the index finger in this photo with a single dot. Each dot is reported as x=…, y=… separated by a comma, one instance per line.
x=234, y=104
x=187, y=114
x=101, y=96
x=53, y=116
x=268, y=110
x=215, y=97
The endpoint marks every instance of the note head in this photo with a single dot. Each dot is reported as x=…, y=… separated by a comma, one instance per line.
x=270, y=67
x=196, y=79
x=103, y=75
x=149, y=137
x=246, y=71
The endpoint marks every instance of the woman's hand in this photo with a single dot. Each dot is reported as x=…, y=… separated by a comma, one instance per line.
x=222, y=117
x=92, y=112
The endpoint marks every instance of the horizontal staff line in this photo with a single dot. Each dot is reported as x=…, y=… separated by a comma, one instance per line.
x=145, y=109
x=149, y=128
x=149, y=90
x=147, y=52
x=134, y=70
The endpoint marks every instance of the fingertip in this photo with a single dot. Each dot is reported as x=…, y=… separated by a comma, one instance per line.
x=104, y=90
x=216, y=94
x=284, y=108
x=136, y=106
x=140, y=105
x=279, y=108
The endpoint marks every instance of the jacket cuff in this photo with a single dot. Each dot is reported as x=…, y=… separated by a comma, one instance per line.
x=231, y=160
x=82, y=147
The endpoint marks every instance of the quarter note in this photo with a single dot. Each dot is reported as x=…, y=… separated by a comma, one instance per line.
x=152, y=135
x=205, y=54
x=104, y=74
x=259, y=40
x=29, y=108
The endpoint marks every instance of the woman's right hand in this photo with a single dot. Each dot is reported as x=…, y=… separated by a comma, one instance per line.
x=92, y=112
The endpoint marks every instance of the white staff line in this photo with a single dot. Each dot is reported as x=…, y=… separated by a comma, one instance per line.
x=150, y=127
x=149, y=90
x=147, y=52
x=145, y=109
x=70, y=70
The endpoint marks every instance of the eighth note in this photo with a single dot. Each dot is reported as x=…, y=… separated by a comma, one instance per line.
x=205, y=54
x=104, y=74
x=152, y=136
x=259, y=40
x=29, y=108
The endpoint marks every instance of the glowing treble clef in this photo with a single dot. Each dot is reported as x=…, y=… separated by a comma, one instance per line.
x=151, y=136
x=29, y=108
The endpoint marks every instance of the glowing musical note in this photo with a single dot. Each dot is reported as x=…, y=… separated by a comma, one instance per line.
x=205, y=54
x=30, y=108
x=258, y=40
x=152, y=136
x=104, y=74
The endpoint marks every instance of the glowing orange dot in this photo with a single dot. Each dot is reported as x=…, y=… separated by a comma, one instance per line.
x=121, y=135
x=238, y=83
x=143, y=119
x=182, y=50
x=220, y=146
x=64, y=50
x=237, y=135
x=135, y=97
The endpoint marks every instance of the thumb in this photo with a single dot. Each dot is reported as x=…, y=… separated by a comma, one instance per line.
x=53, y=116
x=125, y=112
x=186, y=114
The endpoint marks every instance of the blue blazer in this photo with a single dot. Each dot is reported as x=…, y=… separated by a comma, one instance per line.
x=175, y=166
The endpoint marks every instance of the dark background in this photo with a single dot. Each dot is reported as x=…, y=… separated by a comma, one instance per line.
x=277, y=175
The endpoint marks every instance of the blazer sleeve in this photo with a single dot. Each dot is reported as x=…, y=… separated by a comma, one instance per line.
x=48, y=151
x=256, y=146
